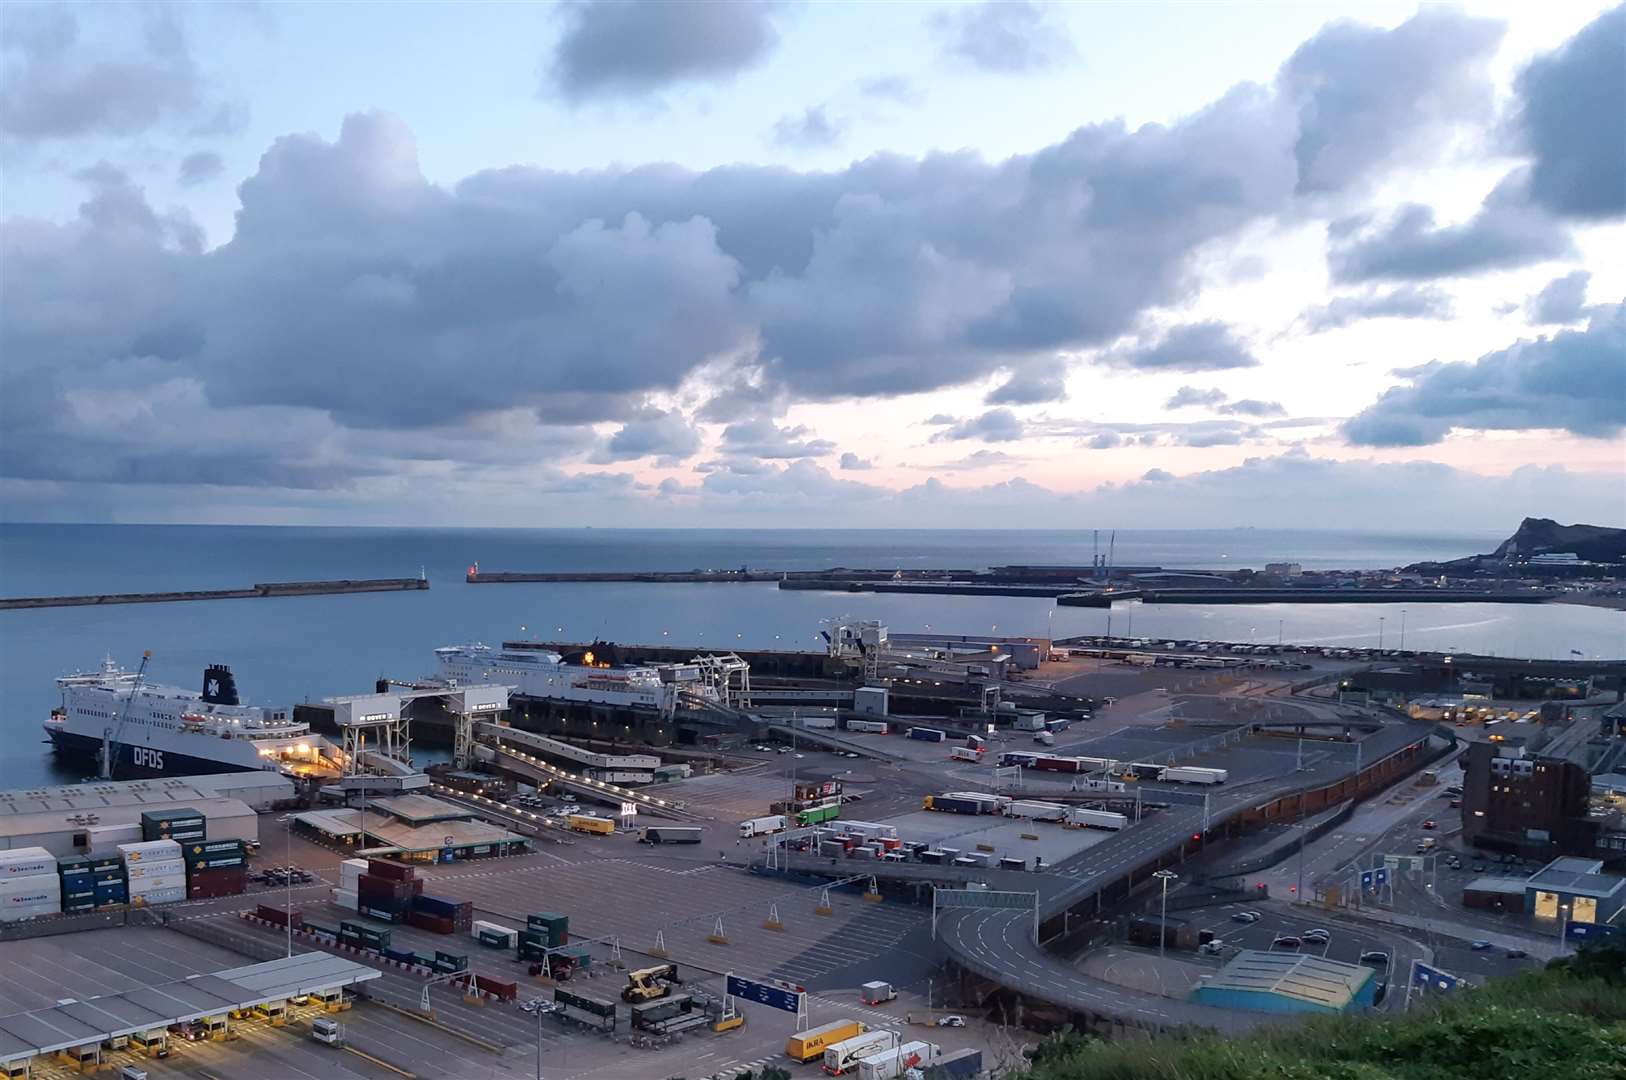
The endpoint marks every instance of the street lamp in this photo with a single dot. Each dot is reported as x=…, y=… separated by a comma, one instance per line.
x=1380, y=633
x=288, y=896
x=1563, y=924
x=1165, y=876
x=1402, y=629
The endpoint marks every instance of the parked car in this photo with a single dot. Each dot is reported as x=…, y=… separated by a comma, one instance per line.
x=1430, y=824
x=1480, y=946
x=951, y=1021
x=1375, y=957
x=1479, y=868
x=1286, y=941
x=1516, y=954
x=1317, y=936
x=1246, y=917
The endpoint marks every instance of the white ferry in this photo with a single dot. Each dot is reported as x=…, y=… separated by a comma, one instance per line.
x=155, y=730
x=542, y=673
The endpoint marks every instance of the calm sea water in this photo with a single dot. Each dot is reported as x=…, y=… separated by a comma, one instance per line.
x=306, y=648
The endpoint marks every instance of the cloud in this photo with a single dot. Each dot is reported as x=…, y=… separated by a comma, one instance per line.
x=611, y=49
x=1367, y=97
x=1108, y=435
x=851, y=462
x=58, y=86
x=762, y=438
x=1573, y=381
x=1030, y=385
x=1562, y=301
x=980, y=459
x=1570, y=112
x=1105, y=440
x=1004, y=37
x=893, y=88
x=815, y=128
x=1253, y=407
x=995, y=425
x=652, y=433
x=1504, y=234
x=200, y=167
x=1203, y=346
x=1191, y=395
x=1401, y=302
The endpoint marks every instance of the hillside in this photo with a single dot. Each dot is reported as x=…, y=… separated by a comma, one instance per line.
x=1567, y=1022
x=1538, y=536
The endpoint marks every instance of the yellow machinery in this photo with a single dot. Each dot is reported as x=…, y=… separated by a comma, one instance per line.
x=647, y=984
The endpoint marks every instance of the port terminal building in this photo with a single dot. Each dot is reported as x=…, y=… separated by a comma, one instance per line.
x=1281, y=982
x=94, y=818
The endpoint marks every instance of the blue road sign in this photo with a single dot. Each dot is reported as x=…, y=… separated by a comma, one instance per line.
x=1432, y=978
x=1368, y=879
x=772, y=996
x=1382, y=873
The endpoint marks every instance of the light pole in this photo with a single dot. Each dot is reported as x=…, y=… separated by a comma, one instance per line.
x=287, y=867
x=1165, y=876
x=1402, y=629
x=1279, y=631
x=1380, y=633
x=1563, y=925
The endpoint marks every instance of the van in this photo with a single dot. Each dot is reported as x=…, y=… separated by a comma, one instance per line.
x=324, y=1030
x=132, y=1072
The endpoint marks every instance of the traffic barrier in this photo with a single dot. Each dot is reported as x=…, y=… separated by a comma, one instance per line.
x=660, y=945
x=773, y=922
x=717, y=937
x=824, y=907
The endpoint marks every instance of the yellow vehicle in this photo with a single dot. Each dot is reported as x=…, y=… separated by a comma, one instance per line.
x=807, y=1045
x=587, y=823
x=647, y=984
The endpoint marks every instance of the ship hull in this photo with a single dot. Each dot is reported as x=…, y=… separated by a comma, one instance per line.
x=136, y=762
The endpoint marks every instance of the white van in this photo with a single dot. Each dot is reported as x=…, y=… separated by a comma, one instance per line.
x=324, y=1030
x=132, y=1072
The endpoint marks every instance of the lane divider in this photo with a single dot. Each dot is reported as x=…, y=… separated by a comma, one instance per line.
x=381, y=1063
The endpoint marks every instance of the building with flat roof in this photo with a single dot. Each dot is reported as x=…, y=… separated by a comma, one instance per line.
x=78, y=819
x=1516, y=801
x=1575, y=891
x=415, y=827
x=1283, y=982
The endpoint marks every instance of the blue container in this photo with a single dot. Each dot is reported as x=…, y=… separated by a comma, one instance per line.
x=436, y=905
x=400, y=956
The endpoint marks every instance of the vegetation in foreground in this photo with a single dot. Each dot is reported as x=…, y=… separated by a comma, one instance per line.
x=1566, y=1022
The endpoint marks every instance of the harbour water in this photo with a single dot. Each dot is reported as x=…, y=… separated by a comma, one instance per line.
x=305, y=648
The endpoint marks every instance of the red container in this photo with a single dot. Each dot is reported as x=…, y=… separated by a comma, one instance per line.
x=502, y=989
x=383, y=892
x=278, y=916
x=208, y=884
x=435, y=924
x=392, y=871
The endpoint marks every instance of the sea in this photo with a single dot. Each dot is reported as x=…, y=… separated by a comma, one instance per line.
x=306, y=648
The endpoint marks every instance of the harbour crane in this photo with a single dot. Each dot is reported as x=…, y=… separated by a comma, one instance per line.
x=111, y=736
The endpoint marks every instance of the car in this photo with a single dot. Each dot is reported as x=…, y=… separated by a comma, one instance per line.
x=1317, y=936
x=784, y=749
x=853, y=754
x=1516, y=954
x=1478, y=868
x=1211, y=948
x=1479, y=946
x=1286, y=941
x=1246, y=917
x=951, y=1021
x=1431, y=824
x=1456, y=804
x=1375, y=957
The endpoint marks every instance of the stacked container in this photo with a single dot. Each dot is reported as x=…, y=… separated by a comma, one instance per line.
x=156, y=871
x=78, y=884
x=441, y=915
x=547, y=930
x=350, y=872
x=386, y=891
x=363, y=937
x=107, y=878
x=29, y=885
x=182, y=824
x=215, y=868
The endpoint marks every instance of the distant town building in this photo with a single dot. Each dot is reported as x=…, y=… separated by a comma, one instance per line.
x=1516, y=801
x=1556, y=558
x=1283, y=569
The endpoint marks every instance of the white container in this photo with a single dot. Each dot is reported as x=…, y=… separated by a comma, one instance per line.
x=162, y=896
x=157, y=868
x=105, y=839
x=17, y=914
x=26, y=862
x=350, y=872
x=157, y=883
x=150, y=851
x=25, y=891
x=346, y=898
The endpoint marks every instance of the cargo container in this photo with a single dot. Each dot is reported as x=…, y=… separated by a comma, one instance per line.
x=592, y=1006
x=589, y=823
x=501, y=989
x=965, y=860
x=494, y=935
x=1096, y=819
x=1038, y=811
x=209, y=884
x=150, y=851
x=176, y=823
x=1059, y=763
x=817, y=815
x=889, y=1064
x=400, y=956
x=871, y=727
x=452, y=961
x=762, y=826
x=1028, y=721
x=959, y=1065
x=1191, y=774
x=832, y=849
x=381, y=914
x=868, y=829
x=965, y=753
x=949, y=804
x=26, y=862
x=842, y=1057
x=1018, y=757
x=1096, y=764
x=213, y=849
x=1012, y=863
x=671, y=834
x=811, y=1044
x=159, y=896
x=926, y=734
x=930, y=857
x=392, y=871
x=278, y=916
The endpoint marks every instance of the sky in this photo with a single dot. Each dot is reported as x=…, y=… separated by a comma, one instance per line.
x=992, y=265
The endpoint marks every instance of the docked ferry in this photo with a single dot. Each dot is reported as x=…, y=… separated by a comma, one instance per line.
x=155, y=730
x=542, y=673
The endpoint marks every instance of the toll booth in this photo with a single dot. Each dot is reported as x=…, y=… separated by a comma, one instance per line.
x=87, y=1058
x=19, y=1069
x=150, y=1042
x=330, y=1000
x=274, y=1011
x=215, y=1027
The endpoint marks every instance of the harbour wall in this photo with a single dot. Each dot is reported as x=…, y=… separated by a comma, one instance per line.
x=261, y=591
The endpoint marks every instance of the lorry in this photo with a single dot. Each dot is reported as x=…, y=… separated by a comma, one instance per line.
x=762, y=826
x=950, y=804
x=670, y=834
x=959, y=1065
x=871, y=727
x=875, y=993
x=1192, y=774
x=589, y=823
x=965, y=753
x=1044, y=738
x=811, y=1044
x=889, y=1064
x=1038, y=811
x=817, y=815
x=1096, y=819
x=926, y=734
x=843, y=1057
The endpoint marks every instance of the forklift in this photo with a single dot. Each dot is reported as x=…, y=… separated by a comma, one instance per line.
x=648, y=984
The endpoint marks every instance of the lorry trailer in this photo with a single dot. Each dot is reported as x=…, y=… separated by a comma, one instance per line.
x=965, y=753
x=671, y=834
x=810, y=1045
x=1038, y=811
x=926, y=734
x=1096, y=819
x=762, y=826
x=872, y=727
x=842, y=1057
x=889, y=1064
x=1192, y=774
x=589, y=823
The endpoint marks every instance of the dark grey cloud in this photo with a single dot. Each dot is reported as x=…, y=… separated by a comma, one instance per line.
x=851, y=462
x=762, y=438
x=1030, y=385
x=1570, y=115
x=1190, y=395
x=1505, y=233
x=1401, y=302
x=1203, y=346
x=1104, y=440
x=200, y=167
x=1562, y=301
x=1006, y=37
x=1253, y=407
x=1573, y=381
x=894, y=88
x=59, y=86
x=1367, y=97
x=610, y=48
x=995, y=425
x=652, y=432
x=815, y=128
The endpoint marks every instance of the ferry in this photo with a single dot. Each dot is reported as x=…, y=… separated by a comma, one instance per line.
x=543, y=673
x=155, y=730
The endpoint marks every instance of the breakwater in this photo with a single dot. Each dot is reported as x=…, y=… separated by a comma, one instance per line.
x=261, y=591
x=1309, y=595
x=476, y=576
